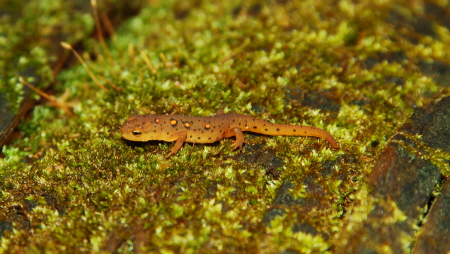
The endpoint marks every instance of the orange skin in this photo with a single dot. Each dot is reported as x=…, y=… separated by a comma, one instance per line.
x=197, y=129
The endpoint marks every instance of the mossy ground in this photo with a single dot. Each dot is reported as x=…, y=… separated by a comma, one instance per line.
x=74, y=184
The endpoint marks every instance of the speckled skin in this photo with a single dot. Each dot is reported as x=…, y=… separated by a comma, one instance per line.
x=195, y=129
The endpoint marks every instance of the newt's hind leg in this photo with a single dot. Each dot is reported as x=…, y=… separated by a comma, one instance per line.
x=239, y=139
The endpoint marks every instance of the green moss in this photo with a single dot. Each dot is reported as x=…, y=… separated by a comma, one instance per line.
x=281, y=62
x=29, y=32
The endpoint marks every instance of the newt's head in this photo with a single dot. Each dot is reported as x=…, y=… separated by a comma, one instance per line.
x=134, y=129
x=147, y=127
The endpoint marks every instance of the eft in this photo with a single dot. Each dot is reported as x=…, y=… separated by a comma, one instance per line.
x=197, y=129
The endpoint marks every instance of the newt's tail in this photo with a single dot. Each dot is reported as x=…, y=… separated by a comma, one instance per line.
x=293, y=130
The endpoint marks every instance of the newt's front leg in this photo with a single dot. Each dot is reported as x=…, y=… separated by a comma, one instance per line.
x=180, y=137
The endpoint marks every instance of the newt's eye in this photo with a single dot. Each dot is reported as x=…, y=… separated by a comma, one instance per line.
x=137, y=133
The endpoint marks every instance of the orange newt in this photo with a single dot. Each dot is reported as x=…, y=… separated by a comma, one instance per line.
x=197, y=129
